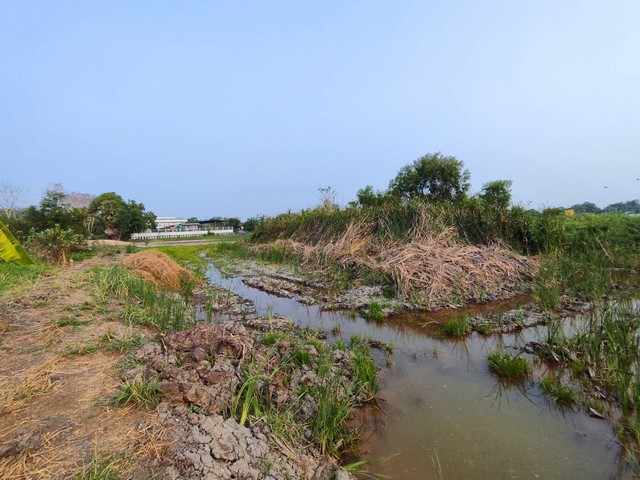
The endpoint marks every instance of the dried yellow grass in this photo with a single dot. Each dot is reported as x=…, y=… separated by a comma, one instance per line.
x=425, y=266
x=157, y=268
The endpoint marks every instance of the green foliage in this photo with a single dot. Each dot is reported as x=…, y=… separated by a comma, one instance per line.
x=457, y=326
x=374, y=312
x=10, y=248
x=118, y=219
x=365, y=373
x=152, y=308
x=102, y=467
x=113, y=343
x=554, y=389
x=497, y=194
x=507, y=365
x=55, y=245
x=54, y=209
x=367, y=197
x=329, y=425
x=434, y=177
x=140, y=393
x=13, y=275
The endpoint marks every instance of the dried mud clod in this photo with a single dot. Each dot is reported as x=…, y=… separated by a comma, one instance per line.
x=201, y=373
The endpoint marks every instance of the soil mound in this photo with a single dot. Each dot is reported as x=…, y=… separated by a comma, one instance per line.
x=201, y=374
x=157, y=268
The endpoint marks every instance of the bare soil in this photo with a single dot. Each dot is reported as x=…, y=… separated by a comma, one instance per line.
x=55, y=410
x=57, y=386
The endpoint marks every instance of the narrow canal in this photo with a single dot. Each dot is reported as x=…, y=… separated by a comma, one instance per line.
x=442, y=415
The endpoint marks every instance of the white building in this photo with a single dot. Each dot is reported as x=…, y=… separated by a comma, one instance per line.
x=169, y=223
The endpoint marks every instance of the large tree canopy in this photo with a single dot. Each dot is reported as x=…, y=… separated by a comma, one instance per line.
x=434, y=177
x=118, y=219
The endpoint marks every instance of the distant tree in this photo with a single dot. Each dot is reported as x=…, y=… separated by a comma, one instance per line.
x=250, y=224
x=497, y=194
x=54, y=210
x=367, y=197
x=434, y=177
x=586, y=207
x=192, y=220
x=117, y=219
x=10, y=198
x=632, y=206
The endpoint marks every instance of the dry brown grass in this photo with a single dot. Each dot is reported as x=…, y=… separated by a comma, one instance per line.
x=427, y=267
x=157, y=268
x=54, y=413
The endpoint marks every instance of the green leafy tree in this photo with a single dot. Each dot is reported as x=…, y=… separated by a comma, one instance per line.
x=54, y=210
x=254, y=222
x=367, y=197
x=497, y=194
x=118, y=219
x=586, y=207
x=434, y=177
x=632, y=206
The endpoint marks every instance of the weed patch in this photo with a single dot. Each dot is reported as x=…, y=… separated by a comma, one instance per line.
x=508, y=366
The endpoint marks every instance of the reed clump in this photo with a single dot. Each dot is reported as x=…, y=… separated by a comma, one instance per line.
x=425, y=250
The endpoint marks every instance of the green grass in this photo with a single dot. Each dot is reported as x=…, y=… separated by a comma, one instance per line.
x=102, y=467
x=365, y=373
x=374, y=312
x=113, y=343
x=14, y=276
x=139, y=393
x=508, y=366
x=329, y=425
x=159, y=310
x=70, y=321
x=457, y=326
x=554, y=389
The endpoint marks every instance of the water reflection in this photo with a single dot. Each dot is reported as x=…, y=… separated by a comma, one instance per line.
x=441, y=402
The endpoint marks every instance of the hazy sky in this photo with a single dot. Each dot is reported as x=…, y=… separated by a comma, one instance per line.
x=237, y=108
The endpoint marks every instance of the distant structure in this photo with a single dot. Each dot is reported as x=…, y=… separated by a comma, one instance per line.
x=174, y=227
x=168, y=223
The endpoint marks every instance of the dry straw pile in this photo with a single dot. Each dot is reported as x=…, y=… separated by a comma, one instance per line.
x=429, y=268
x=157, y=268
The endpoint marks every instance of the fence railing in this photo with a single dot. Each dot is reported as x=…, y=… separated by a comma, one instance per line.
x=187, y=233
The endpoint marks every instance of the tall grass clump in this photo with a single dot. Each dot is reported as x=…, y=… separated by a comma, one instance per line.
x=140, y=393
x=329, y=425
x=457, y=326
x=554, y=389
x=610, y=347
x=160, y=310
x=365, y=373
x=508, y=366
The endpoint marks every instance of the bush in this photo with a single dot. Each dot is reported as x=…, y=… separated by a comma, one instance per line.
x=55, y=245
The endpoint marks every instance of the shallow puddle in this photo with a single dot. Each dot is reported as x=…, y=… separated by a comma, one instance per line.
x=445, y=416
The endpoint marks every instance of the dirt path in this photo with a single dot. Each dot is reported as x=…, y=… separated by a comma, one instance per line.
x=55, y=385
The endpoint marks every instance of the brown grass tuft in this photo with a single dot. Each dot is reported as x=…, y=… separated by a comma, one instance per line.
x=157, y=268
x=430, y=268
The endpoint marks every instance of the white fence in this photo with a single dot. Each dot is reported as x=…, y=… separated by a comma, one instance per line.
x=190, y=233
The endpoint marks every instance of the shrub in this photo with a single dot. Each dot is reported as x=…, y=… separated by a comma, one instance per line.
x=55, y=245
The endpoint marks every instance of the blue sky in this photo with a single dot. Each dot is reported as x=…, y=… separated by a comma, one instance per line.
x=202, y=108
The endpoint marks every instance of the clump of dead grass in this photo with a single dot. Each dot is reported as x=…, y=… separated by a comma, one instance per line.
x=160, y=270
x=430, y=268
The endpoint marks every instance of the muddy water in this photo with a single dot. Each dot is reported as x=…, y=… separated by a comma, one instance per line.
x=446, y=416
